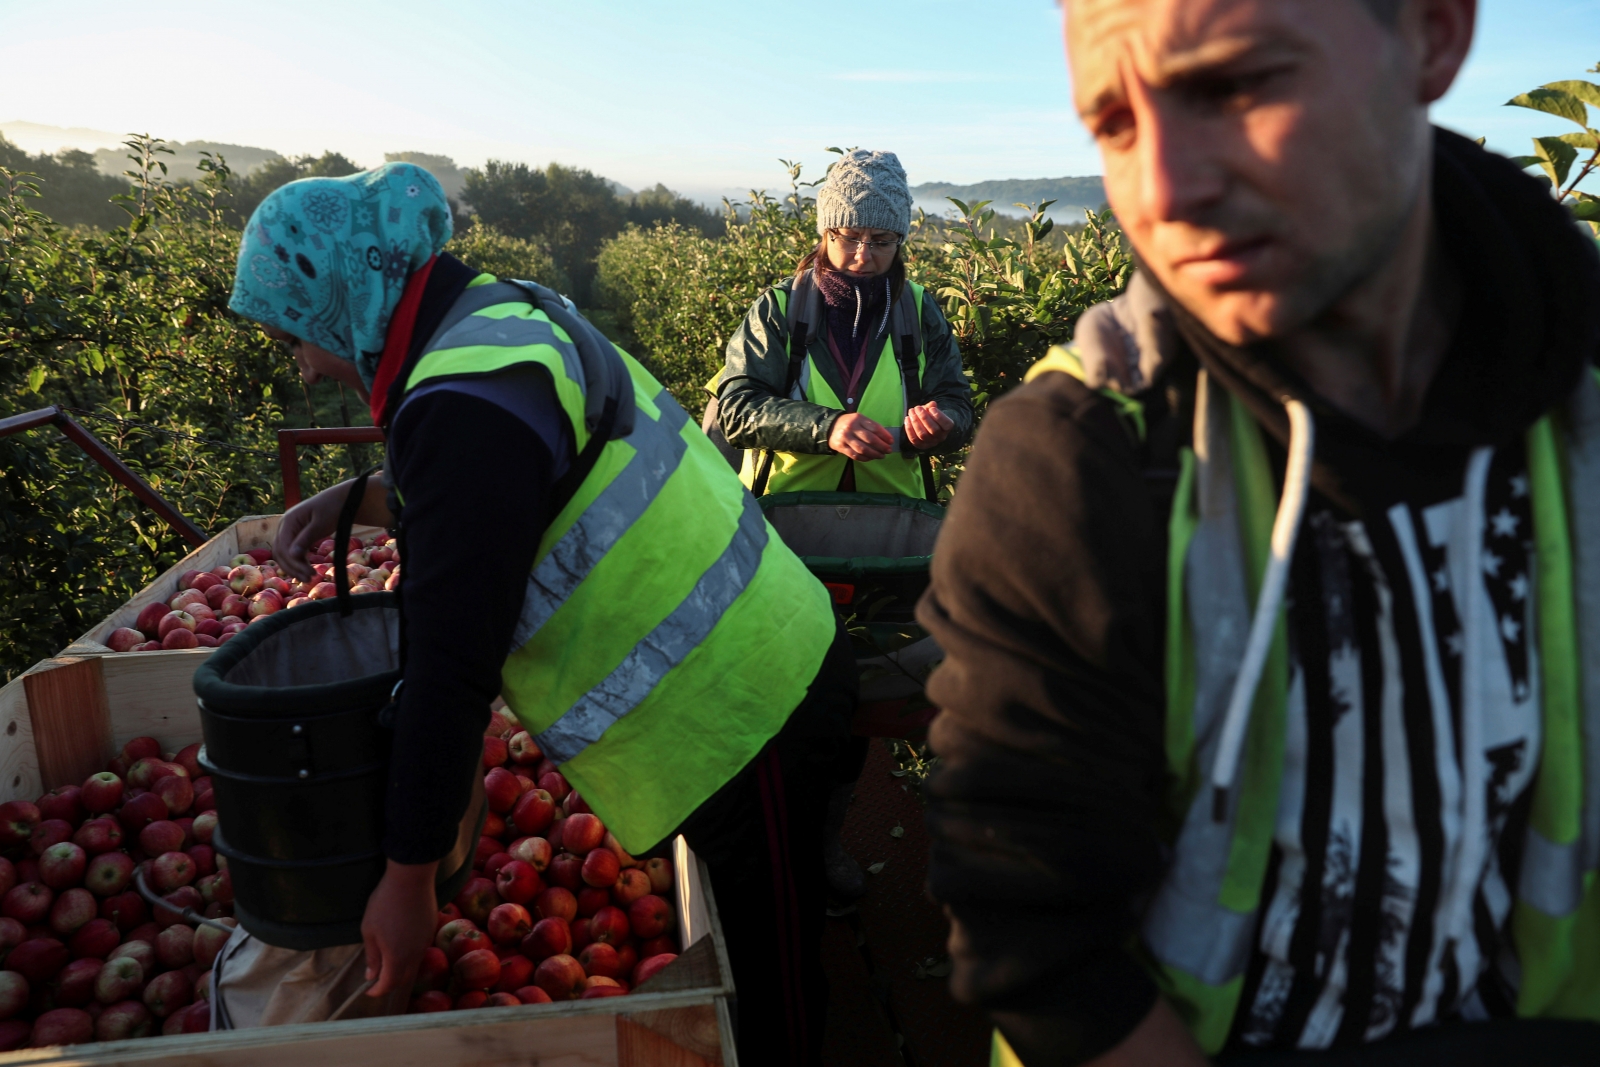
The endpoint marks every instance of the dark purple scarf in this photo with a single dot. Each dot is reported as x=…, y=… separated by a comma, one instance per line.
x=857, y=307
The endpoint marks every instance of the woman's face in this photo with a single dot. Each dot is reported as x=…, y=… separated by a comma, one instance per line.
x=317, y=363
x=851, y=249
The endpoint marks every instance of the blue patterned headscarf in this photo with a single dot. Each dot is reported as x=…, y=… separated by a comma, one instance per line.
x=326, y=259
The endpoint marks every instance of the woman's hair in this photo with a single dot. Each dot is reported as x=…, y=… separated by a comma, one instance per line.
x=818, y=256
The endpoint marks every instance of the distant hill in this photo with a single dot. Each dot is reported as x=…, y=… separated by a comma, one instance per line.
x=185, y=159
x=1071, y=195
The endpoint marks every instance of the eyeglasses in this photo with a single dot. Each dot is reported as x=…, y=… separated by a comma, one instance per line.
x=852, y=245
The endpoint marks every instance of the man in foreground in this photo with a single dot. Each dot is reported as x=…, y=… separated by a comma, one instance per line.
x=1224, y=776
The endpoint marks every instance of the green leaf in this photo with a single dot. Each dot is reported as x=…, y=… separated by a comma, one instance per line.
x=1556, y=102
x=898, y=831
x=1588, y=92
x=876, y=867
x=1586, y=139
x=1526, y=161
x=1586, y=210
x=1556, y=157
x=36, y=378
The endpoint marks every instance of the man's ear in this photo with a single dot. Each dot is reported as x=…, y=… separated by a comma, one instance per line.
x=1441, y=32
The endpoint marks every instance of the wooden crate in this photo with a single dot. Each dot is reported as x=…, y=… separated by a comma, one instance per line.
x=61, y=721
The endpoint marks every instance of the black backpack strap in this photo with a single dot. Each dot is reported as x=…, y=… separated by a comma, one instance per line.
x=341, y=540
x=907, y=340
x=797, y=317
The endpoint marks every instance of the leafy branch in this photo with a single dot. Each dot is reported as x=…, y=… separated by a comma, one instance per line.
x=1556, y=155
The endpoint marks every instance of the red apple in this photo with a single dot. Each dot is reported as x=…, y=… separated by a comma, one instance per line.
x=141, y=747
x=659, y=868
x=125, y=909
x=447, y=914
x=502, y=1000
x=553, y=834
x=176, y=792
x=8, y=876
x=494, y=825
x=95, y=939
x=600, y=867
x=141, y=948
x=556, y=902
x=38, y=960
x=13, y=993
x=601, y=959
x=509, y=923
x=602, y=987
x=610, y=926
x=494, y=752
x=534, y=851
x=205, y=581
x=517, y=882
x=73, y=910
x=447, y=933
x=167, y=993
x=477, y=899
x=532, y=994
x=266, y=602
x=473, y=998
x=49, y=832
x=501, y=788
x=123, y=1021
x=216, y=594
x=630, y=886
x=580, y=934
x=27, y=869
x=524, y=750
x=64, y=802
x=488, y=847
x=566, y=871
x=467, y=941
x=431, y=1001
x=63, y=1026
x=245, y=580
x=492, y=866
x=574, y=804
x=205, y=860
x=549, y=937
x=27, y=903
x=582, y=833
x=591, y=900
x=125, y=639
x=98, y=835
x=17, y=820
x=121, y=977
x=175, y=620
x=478, y=969
x=183, y=897
x=555, y=784
x=101, y=793
x=655, y=946
x=171, y=870
x=150, y=618
x=62, y=865
x=648, y=968
x=205, y=824
x=216, y=888
x=533, y=811
x=148, y=646
x=629, y=956
x=138, y=812
x=12, y=934
x=194, y=1019
x=560, y=976
x=650, y=916
x=433, y=972
x=515, y=972
x=75, y=987
x=175, y=946
x=109, y=873
x=546, y=766
x=163, y=835
x=15, y=1034
x=182, y=599
x=234, y=606
x=208, y=941
x=180, y=639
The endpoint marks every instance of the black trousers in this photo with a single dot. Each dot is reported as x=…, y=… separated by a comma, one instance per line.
x=761, y=838
x=1498, y=1043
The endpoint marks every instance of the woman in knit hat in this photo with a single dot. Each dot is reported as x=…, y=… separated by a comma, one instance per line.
x=846, y=378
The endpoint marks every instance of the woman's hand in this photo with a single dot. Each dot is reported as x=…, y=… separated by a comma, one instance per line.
x=858, y=437
x=315, y=518
x=398, y=925
x=927, y=426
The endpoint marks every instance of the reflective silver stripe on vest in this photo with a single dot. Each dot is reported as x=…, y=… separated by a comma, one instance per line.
x=659, y=448
x=1186, y=926
x=510, y=332
x=661, y=650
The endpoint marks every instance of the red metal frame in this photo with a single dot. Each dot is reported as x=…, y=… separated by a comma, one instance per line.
x=289, y=442
x=75, y=432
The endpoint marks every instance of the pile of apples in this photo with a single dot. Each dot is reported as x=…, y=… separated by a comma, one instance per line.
x=211, y=606
x=554, y=908
x=84, y=957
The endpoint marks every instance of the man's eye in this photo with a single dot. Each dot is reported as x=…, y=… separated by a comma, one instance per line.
x=1114, y=127
x=1233, y=90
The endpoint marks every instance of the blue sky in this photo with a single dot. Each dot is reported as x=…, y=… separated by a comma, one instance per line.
x=704, y=95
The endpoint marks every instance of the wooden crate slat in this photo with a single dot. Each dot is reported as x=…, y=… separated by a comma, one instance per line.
x=19, y=765
x=152, y=695
x=71, y=720
x=694, y=1029
x=639, y=1046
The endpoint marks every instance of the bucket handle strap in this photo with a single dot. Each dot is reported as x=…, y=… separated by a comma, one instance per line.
x=341, y=540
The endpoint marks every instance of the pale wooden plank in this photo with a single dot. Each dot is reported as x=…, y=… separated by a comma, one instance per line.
x=730, y=1050
x=693, y=1028
x=640, y=1046
x=19, y=764
x=151, y=694
x=71, y=720
x=579, y=1033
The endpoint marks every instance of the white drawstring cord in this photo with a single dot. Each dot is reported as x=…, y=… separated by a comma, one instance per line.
x=1285, y=527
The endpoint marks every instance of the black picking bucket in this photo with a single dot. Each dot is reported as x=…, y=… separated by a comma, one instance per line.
x=298, y=753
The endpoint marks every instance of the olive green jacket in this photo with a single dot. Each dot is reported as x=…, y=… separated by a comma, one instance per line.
x=753, y=414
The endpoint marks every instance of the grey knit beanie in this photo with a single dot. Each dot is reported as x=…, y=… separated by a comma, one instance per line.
x=865, y=190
